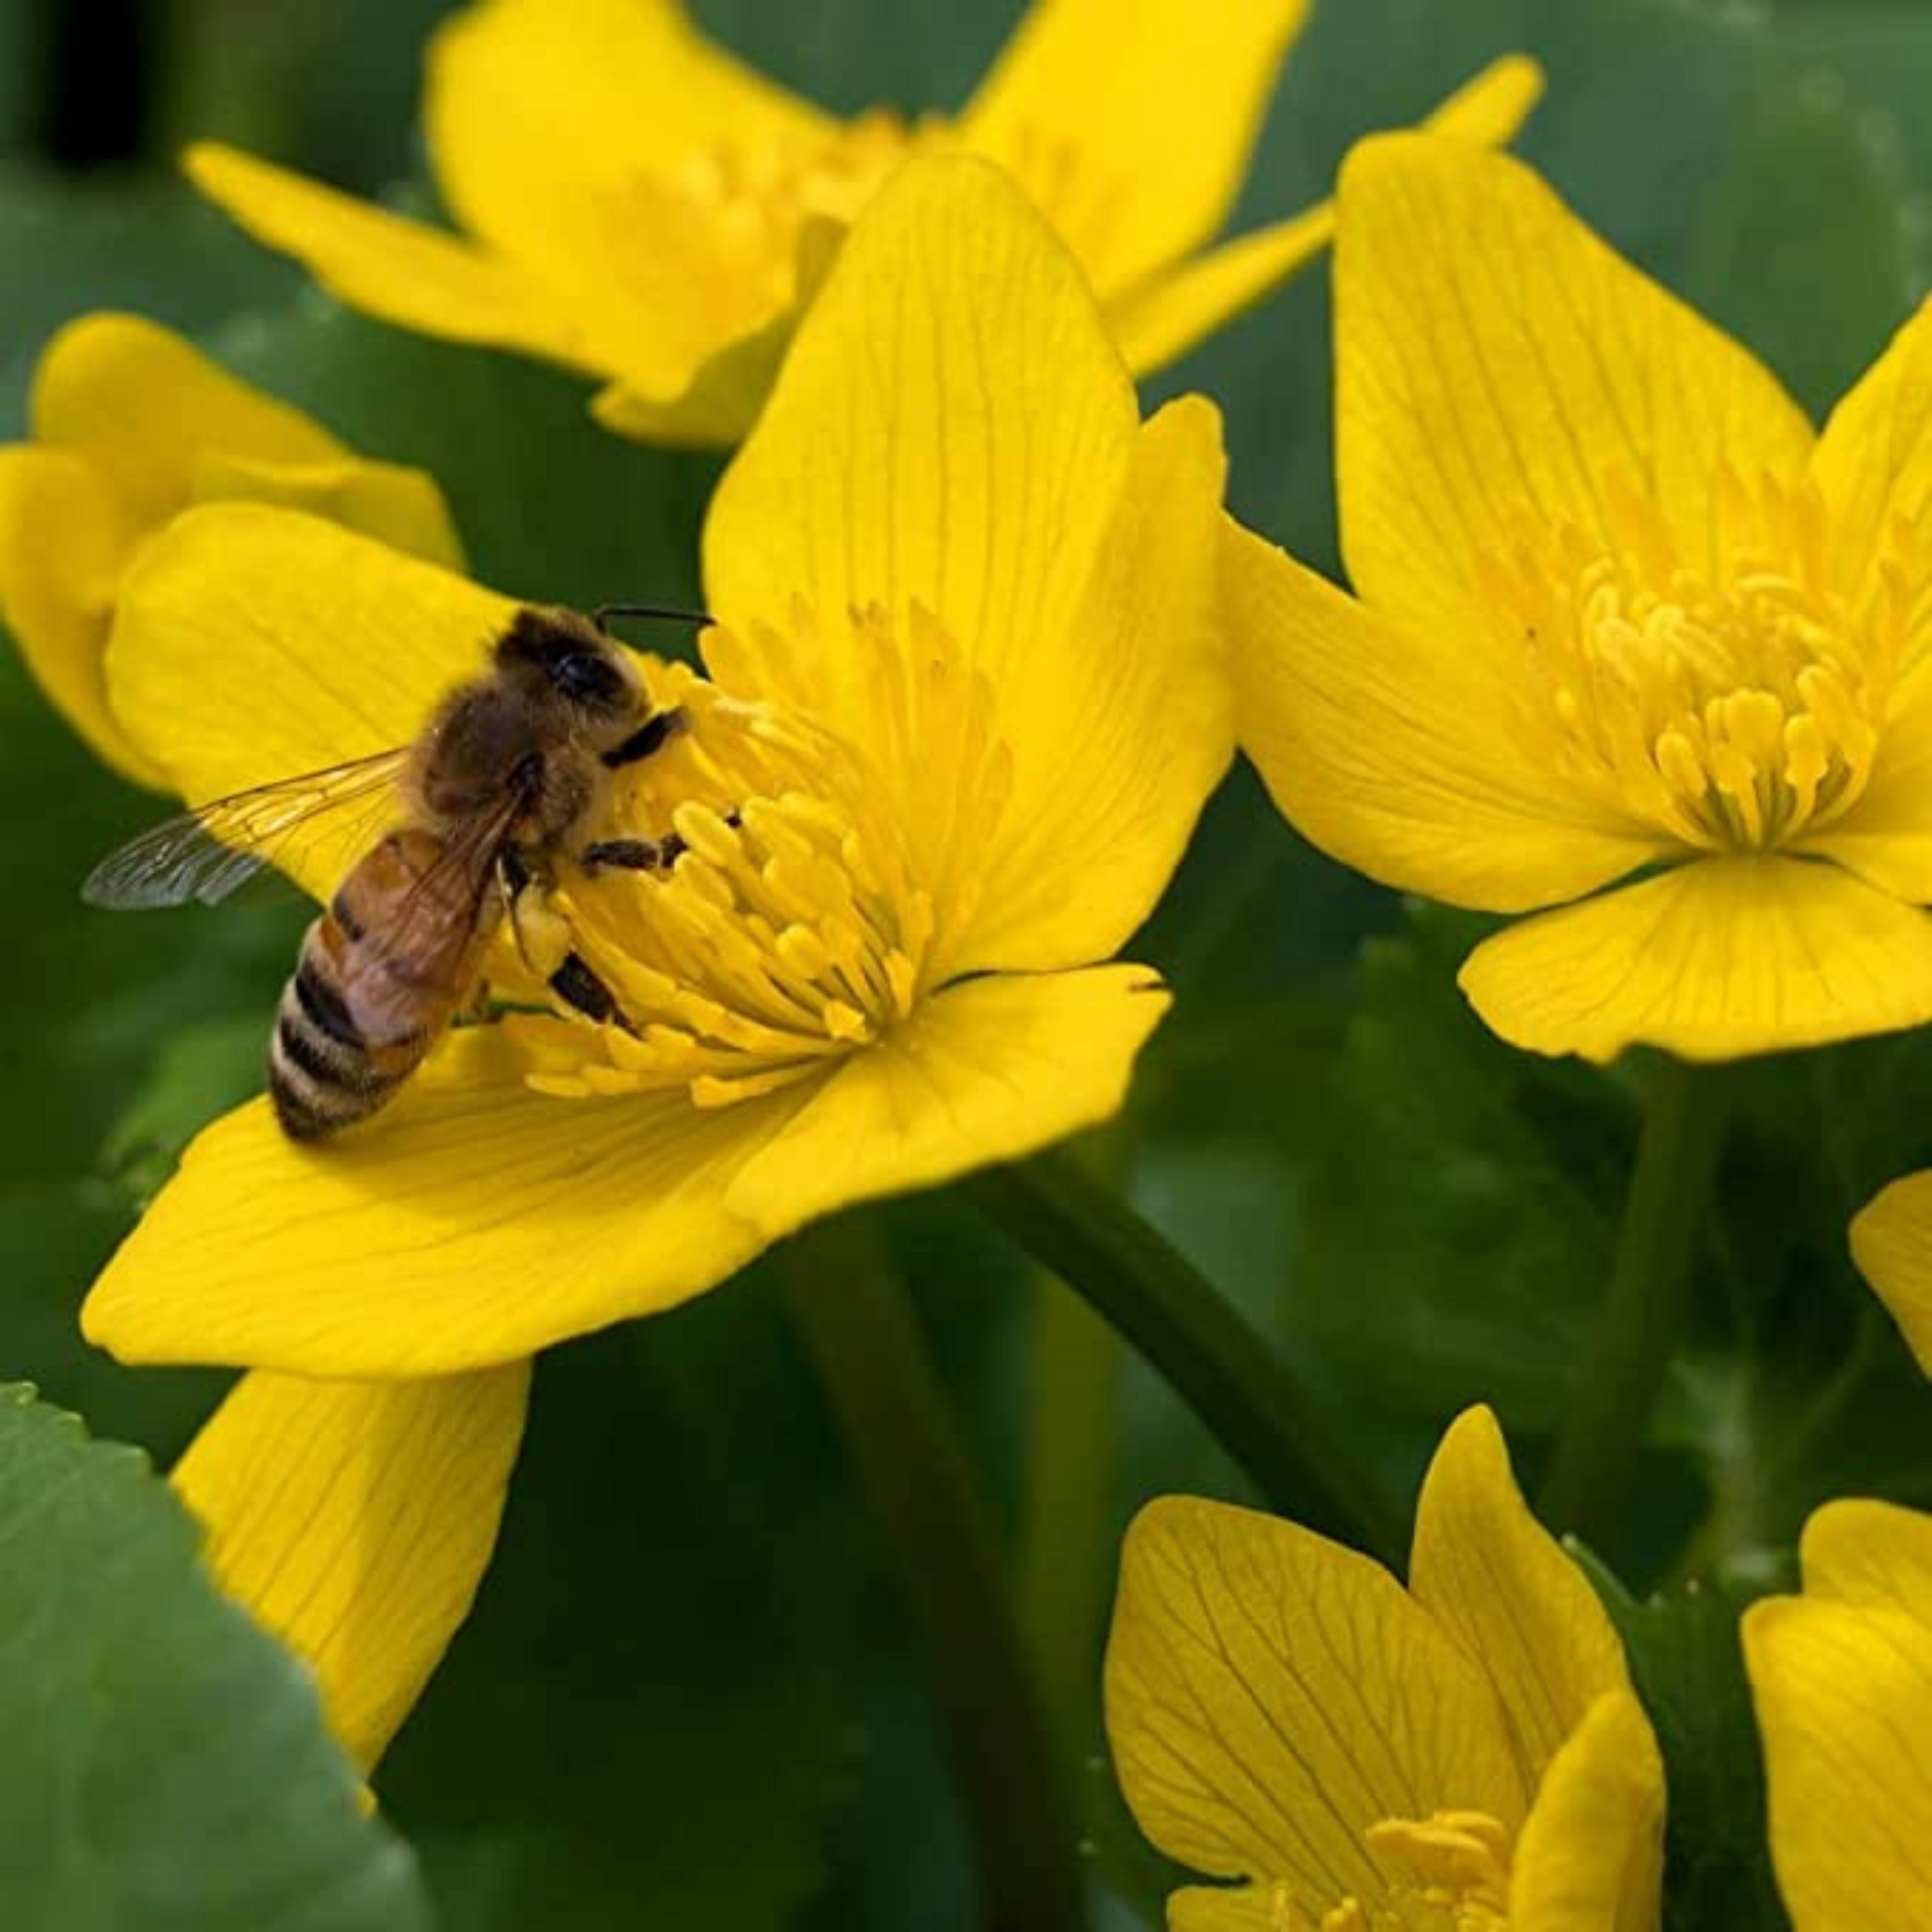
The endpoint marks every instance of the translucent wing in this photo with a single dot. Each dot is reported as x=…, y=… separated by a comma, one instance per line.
x=207, y=853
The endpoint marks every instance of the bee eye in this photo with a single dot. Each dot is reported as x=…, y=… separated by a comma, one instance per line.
x=586, y=677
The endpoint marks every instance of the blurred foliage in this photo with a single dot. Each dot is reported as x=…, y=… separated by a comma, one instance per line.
x=688, y=1695
x=167, y=1768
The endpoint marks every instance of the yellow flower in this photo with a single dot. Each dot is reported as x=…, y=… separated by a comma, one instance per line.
x=1463, y=1754
x=130, y=427
x=966, y=700
x=1842, y=1677
x=639, y=205
x=1618, y=609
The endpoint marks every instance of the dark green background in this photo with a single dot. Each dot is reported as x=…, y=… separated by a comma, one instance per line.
x=689, y=1696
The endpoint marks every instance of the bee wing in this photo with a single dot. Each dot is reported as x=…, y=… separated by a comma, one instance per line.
x=207, y=853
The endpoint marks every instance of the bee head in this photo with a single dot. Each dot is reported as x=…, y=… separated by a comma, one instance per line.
x=555, y=657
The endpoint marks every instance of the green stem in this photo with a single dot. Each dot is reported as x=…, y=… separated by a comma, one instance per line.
x=1066, y=1546
x=1197, y=1339
x=865, y=1342
x=1643, y=1311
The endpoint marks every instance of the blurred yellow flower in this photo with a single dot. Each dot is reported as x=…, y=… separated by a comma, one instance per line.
x=1842, y=1677
x=966, y=699
x=639, y=205
x=1463, y=1754
x=1618, y=609
x=130, y=427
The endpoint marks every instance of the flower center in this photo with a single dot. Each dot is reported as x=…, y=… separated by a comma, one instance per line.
x=732, y=230
x=1733, y=702
x=1457, y=1876
x=817, y=889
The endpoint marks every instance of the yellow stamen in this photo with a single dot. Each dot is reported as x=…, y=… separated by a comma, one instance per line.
x=1733, y=702
x=828, y=864
x=736, y=225
x=1454, y=1876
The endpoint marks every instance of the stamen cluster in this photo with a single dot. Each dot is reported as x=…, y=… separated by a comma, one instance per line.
x=1734, y=701
x=807, y=912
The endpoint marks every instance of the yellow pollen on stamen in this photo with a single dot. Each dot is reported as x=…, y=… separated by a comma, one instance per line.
x=1733, y=702
x=824, y=872
x=1454, y=1876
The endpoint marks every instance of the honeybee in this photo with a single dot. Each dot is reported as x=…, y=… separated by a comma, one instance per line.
x=510, y=773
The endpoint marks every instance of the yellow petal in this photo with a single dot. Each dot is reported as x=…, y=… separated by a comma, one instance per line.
x=991, y=1069
x=1887, y=835
x=1393, y=746
x=396, y=505
x=926, y=448
x=1163, y=317
x=1891, y=1241
x=255, y=643
x=62, y=544
x=1715, y=960
x=1159, y=321
x=1844, y=1698
x=711, y=402
x=1873, y=462
x=1592, y=1855
x=1500, y=1583
x=354, y=1522
x=394, y=269
x=473, y=1223
x=1496, y=360
x=1872, y=1554
x=1232, y=1908
x=1131, y=122
x=1121, y=726
x=535, y=108
x=142, y=405
x=1271, y=1695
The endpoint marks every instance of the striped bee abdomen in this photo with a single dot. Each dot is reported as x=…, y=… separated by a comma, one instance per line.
x=379, y=974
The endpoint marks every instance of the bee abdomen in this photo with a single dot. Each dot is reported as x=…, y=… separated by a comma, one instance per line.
x=324, y=1072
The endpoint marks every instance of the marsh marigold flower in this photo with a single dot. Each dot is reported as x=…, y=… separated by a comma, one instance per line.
x=1462, y=1755
x=965, y=698
x=1619, y=612
x=1842, y=1677
x=130, y=426
x=639, y=205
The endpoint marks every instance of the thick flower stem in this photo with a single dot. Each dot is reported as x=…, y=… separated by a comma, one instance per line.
x=1067, y=1549
x=1197, y=1339
x=1643, y=1311
x=865, y=1342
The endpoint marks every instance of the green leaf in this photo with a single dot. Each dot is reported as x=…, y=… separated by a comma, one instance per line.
x=166, y=1767
x=1689, y=1669
x=1467, y=1193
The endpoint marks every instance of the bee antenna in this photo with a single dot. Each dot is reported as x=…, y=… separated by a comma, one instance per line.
x=662, y=612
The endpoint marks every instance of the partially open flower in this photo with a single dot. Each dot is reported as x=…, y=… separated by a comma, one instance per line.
x=965, y=700
x=131, y=426
x=1842, y=1677
x=1619, y=609
x=641, y=205
x=1464, y=1755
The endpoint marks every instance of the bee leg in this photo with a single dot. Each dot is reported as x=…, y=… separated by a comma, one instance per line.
x=579, y=987
x=651, y=736
x=542, y=937
x=632, y=855
x=640, y=854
